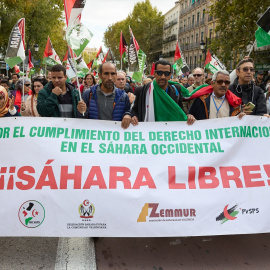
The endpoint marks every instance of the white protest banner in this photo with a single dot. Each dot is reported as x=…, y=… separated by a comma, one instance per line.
x=82, y=178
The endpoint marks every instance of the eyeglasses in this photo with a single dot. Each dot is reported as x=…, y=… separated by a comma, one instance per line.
x=197, y=75
x=28, y=84
x=220, y=82
x=160, y=73
x=246, y=69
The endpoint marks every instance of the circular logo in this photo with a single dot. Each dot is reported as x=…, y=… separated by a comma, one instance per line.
x=86, y=209
x=31, y=214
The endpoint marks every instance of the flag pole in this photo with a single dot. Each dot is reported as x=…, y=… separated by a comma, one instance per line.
x=24, y=55
x=252, y=48
x=23, y=81
x=121, y=63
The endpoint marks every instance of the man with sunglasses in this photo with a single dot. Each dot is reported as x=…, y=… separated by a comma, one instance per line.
x=215, y=101
x=244, y=87
x=105, y=101
x=152, y=102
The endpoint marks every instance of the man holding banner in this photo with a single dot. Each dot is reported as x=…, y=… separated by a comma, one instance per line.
x=160, y=100
x=244, y=87
x=105, y=101
x=216, y=101
x=58, y=98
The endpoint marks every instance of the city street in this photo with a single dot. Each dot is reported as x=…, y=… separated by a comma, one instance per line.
x=213, y=252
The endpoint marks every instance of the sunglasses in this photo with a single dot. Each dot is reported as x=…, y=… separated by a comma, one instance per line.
x=246, y=69
x=220, y=82
x=197, y=75
x=160, y=73
x=27, y=84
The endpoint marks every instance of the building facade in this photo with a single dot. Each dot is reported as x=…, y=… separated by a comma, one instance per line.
x=194, y=25
x=170, y=32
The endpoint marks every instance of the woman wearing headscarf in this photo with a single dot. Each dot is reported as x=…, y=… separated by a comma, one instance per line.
x=29, y=107
x=7, y=107
x=18, y=92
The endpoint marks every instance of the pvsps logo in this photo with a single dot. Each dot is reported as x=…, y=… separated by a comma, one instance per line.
x=31, y=214
x=228, y=214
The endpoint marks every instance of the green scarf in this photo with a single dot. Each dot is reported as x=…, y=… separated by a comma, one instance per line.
x=166, y=109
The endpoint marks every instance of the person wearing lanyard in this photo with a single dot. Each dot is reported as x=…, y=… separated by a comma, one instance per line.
x=216, y=100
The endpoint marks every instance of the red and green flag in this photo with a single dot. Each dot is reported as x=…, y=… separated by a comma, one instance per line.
x=123, y=48
x=90, y=64
x=180, y=64
x=212, y=64
x=73, y=10
x=78, y=35
x=262, y=34
x=16, y=45
x=30, y=66
x=108, y=57
x=50, y=57
x=98, y=58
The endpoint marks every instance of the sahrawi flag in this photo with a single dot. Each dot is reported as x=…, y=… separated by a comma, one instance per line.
x=78, y=36
x=16, y=45
x=30, y=66
x=262, y=34
x=99, y=56
x=212, y=63
x=180, y=64
x=123, y=48
x=108, y=57
x=73, y=10
x=50, y=57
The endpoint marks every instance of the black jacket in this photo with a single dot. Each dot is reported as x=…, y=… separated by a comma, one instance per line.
x=250, y=93
x=200, y=108
x=140, y=93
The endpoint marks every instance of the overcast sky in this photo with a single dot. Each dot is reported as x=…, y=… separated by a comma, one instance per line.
x=98, y=15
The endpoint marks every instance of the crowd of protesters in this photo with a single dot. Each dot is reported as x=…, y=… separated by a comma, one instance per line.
x=113, y=95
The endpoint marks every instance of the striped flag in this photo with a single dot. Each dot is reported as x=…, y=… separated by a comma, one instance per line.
x=212, y=63
x=16, y=46
x=50, y=57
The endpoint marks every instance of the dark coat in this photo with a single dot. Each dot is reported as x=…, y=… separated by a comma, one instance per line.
x=47, y=102
x=250, y=93
x=201, y=106
x=139, y=108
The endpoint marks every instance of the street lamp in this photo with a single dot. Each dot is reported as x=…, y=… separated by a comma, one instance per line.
x=204, y=47
x=36, y=48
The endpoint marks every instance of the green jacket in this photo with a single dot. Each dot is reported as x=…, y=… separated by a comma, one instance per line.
x=47, y=102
